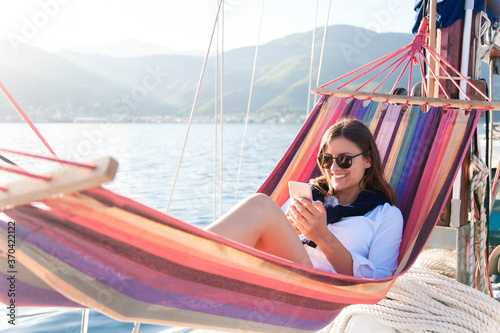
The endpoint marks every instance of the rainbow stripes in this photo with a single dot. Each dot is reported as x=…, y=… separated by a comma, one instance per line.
x=100, y=250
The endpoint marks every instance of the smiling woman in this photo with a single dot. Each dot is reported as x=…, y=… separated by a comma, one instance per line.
x=352, y=226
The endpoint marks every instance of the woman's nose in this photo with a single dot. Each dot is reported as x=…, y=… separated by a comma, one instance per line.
x=335, y=166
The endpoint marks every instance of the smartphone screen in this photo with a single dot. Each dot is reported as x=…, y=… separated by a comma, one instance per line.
x=300, y=190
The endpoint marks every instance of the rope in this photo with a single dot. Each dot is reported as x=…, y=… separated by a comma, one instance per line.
x=85, y=321
x=219, y=95
x=324, y=43
x=482, y=27
x=194, y=107
x=424, y=301
x=477, y=216
x=221, y=111
x=58, y=160
x=216, y=106
x=413, y=54
x=249, y=101
x=312, y=59
x=441, y=261
x=26, y=118
x=23, y=173
x=6, y=160
x=491, y=42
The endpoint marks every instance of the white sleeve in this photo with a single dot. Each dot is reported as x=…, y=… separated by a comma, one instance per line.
x=383, y=255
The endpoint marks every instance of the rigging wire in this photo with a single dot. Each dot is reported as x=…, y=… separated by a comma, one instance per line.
x=216, y=106
x=312, y=59
x=249, y=100
x=194, y=106
x=320, y=66
x=221, y=108
x=219, y=97
x=6, y=160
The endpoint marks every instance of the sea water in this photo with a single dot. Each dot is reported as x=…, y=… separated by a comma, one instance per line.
x=148, y=156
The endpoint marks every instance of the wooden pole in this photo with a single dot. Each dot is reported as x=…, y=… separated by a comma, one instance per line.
x=410, y=100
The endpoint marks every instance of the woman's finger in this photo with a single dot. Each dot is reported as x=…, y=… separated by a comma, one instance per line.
x=302, y=208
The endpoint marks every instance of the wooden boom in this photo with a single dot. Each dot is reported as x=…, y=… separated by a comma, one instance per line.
x=67, y=179
x=410, y=100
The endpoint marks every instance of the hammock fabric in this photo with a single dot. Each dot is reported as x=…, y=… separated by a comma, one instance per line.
x=99, y=250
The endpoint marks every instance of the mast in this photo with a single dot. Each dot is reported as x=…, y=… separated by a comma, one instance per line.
x=455, y=43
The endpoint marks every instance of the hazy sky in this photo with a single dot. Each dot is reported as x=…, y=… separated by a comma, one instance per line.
x=184, y=25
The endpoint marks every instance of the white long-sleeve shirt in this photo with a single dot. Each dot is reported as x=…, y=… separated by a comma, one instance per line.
x=373, y=241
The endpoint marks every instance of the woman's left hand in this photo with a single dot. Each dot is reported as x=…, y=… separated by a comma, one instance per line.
x=309, y=217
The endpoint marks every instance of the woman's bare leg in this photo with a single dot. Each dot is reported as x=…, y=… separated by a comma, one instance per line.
x=258, y=222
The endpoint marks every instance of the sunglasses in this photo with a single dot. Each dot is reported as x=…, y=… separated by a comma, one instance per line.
x=343, y=161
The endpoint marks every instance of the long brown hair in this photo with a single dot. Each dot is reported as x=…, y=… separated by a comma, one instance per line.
x=356, y=132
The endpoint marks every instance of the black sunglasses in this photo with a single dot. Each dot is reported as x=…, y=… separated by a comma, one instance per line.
x=343, y=161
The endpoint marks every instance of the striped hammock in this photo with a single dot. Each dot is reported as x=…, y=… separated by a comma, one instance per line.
x=99, y=250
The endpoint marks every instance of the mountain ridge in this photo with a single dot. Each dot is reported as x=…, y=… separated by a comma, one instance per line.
x=66, y=85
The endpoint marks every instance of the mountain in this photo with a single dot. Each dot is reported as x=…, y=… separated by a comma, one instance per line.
x=66, y=85
x=129, y=47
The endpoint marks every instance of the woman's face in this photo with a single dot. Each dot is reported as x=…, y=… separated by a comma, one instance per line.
x=346, y=182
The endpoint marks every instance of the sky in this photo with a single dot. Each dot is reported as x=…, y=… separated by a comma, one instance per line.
x=186, y=25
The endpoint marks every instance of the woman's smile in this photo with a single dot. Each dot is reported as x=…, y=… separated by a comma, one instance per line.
x=346, y=182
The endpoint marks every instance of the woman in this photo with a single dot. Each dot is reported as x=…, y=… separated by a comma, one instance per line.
x=352, y=227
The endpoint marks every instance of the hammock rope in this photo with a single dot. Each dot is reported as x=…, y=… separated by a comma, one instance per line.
x=24, y=173
x=56, y=159
x=412, y=54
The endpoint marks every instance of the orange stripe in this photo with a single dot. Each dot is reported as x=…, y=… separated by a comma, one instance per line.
x=209, y=256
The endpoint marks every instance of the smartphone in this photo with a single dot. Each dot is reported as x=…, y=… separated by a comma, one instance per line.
x=300, y=190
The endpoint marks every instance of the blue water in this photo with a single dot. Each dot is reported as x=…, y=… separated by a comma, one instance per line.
x=148, y=155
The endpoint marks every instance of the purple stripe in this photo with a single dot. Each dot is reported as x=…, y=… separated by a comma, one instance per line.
x=28, y=295
x=112, y=199
x=437, y=208
x=420, y=150
x=422, y=154
x=393, y=138
x=105, y=274
x=417, y=134
x=362, y=111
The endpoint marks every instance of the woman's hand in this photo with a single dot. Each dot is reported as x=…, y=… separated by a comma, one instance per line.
x=289, y=216
x=308, y=217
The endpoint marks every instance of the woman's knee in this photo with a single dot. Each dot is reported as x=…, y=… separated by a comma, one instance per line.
x=261, y=201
